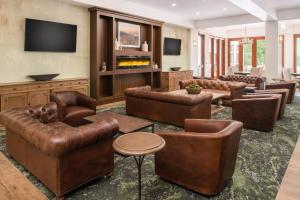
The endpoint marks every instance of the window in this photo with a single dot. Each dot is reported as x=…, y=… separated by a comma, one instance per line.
x=247, y=57
x=260, y=53
x=297, y=53
x=234, y=53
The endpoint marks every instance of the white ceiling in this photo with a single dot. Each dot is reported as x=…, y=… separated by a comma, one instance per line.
x=282, y=4
x=195, y=9
x=204, y=13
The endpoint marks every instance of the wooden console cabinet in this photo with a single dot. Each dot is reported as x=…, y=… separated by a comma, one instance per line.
x=36, y=93
x=170, y=80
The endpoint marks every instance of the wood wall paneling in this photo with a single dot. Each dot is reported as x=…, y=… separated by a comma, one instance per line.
x=109, y=86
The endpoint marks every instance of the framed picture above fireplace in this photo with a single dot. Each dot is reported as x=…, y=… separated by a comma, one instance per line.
x=129, y=35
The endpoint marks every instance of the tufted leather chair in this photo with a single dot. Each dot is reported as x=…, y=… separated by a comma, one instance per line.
x=73, y=107
x=60, y=156
x=258, y=112
x=203, y=157
x=232, y=90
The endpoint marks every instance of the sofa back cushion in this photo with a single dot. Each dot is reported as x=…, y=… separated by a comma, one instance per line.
x=214, y=84
x=170, y=97
x=44, y=113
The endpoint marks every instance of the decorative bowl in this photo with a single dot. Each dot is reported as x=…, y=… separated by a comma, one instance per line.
x=193, y=90
x=43, y=77
x=175, y=68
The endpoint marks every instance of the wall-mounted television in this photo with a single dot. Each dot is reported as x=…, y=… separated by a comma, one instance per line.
x=172, y=46
x=49, y=36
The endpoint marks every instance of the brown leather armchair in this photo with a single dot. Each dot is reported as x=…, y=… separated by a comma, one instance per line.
x=291, y=86
x=73, y=107
x=258, y=112
x=284, y=96
x=203, y=157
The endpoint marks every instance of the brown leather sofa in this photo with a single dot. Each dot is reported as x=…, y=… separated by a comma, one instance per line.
x=284, y=96
x=60, y=156
x=232, y=90
x=251, y=81
x=203, y=157
x=291, y=86
x=258, y=112
x=167, y=107
x=73, y=107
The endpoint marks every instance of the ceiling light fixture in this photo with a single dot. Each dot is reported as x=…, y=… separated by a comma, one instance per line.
x=197, y=13
x=225, y=8
x=246, y=40
x=173, y=4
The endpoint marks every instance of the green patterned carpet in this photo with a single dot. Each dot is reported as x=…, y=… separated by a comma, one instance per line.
x=261, y=163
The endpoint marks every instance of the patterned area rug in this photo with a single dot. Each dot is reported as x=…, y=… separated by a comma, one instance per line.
x=261, y=163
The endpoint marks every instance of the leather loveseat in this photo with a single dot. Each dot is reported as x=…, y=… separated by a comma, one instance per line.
x=167, y=107
x=60, y=156
x=251, y=81
x=232, y=90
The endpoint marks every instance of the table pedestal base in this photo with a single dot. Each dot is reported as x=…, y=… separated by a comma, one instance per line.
x=139, y=162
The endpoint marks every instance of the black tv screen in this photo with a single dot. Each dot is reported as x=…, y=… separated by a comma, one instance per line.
x=49, y=36
x=172, y=46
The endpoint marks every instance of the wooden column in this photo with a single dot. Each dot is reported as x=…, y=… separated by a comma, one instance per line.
x=212, y=60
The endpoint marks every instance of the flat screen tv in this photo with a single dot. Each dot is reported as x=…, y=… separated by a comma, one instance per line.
x=49, y=36
x=172, y=46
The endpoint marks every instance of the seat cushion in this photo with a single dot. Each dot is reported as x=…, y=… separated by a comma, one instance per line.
x=75, y=114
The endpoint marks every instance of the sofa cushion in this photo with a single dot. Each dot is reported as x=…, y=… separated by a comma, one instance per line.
x=44, y=113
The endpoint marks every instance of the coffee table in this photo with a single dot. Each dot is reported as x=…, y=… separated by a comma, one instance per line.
x=138, y=145
x=127, y=124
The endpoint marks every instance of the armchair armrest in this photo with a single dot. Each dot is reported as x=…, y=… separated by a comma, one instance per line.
x=86, y=101
x=204, y=125
x=61, y=106
x=237, y=90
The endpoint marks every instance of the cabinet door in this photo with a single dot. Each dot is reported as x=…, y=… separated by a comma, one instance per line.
x=39, y=97
x=17, y=100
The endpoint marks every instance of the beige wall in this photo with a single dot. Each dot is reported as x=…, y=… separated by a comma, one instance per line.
x=16, y=64
x=184, y=59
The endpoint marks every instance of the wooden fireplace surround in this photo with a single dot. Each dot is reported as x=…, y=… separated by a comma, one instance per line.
x=109, y=86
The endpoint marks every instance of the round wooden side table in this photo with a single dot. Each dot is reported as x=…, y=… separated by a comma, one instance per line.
x=138, y=145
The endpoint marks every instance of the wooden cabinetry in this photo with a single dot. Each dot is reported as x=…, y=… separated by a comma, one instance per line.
x=170, y=80
x=15, y=100
x=109, y=86
x=36, y=93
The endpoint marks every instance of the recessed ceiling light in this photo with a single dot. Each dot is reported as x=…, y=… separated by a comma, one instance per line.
x=173, y=4
x=197, y=13
x=224, y=9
